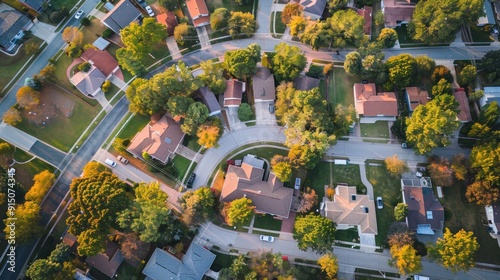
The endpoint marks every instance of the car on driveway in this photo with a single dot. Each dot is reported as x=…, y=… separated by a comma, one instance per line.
x=190, y=181
x=150, y=11
x=122, y=159
x=380, y=203
x=79, y=14
x=266, y=238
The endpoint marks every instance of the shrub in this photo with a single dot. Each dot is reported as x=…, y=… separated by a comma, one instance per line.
x=57, y=16
x=106, y=86
x=315, y=71
x=85, y=66
x=107, y=33
x=245, y=112
x=85, y=21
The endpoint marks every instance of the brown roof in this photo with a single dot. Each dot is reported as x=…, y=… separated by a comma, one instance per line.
x=416, y=96
x=233, y=93
x=102, y=60
x=210, y=100
x=463, y=105
x=169, y=20
x=366, y=13
x=263, y=85
x=304, y=82
x=109, y=261
x=369, y=103
x=199, y=12
x=267, y=196
x=160, y=140
x=89, y=83
x=420, y=200
x=349, y=208
x=395, y=10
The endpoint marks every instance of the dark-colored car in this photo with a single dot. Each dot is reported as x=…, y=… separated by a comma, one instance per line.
x=190, y=181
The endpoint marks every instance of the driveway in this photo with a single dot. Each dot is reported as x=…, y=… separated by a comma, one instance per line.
x=264, y=18
x=203, y=35
x=262, y=113
x=43, y=31
x=232, y=117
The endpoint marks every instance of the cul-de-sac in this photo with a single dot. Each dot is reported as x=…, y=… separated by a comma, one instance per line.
x=249, y=139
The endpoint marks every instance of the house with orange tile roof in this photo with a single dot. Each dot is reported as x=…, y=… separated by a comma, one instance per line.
x=198, y=11
x=372, y=104
x=234, y=93
x=169, y=20
x=397, y=11
x=463, y=105
x=366, y=13
x=416, y=96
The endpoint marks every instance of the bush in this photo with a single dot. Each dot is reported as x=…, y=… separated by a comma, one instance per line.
x=106, y=86
x=107, y=33
x=57, y=16
x=85, y=21
x=315, y=71
x=85, y=66
x=245, y=112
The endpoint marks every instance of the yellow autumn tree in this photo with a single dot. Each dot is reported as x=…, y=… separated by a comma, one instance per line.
x=209, y=133
x=406, y=260
x=329, y=265
x=27, y=97
x=43, y=181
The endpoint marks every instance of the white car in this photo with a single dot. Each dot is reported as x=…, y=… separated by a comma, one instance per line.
x=380, y=203
x=266, y=238
x=79, y=14
x=150, y=11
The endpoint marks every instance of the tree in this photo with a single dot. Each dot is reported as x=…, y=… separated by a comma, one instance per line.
x=379, y=18
x=288, y=62
x=73, y=35
x=91, y=242
x=353, y=64
x=12, y=116
x=440, y=172
x=485, y=161
x=68, y=270
x=395, y=166
x=198, y=205
x=455, y=252
x=308, y=199
x=406, y=260
x=476, y=95
x=170, y=5
x=335, y=5
x=27, y=217
x=315, y=232
x=291, y=10
x=459, y=165
x=85, y=66
x=346, y=27
x=328, y=264
x=282, y=168
x=219, y=19
x=42, y=183
x=297, y=25
x=400, y=211
x=213, y=76
x=93, y=169
x=47, y=74
x=60, y=254
x=482, y=193
x=127, y=59
x=266, y=265
x=58, y=15
x=177, y=80
x=441, y=72
x=401, y=238
x=210, y=132
x=241, y=24
x=402, y=70
x=239, y=212
x=196, y=114
x=30, y=48
x=467, y=76
x=425, y=65
x=73, y=50
x=27, y=97
x=140, y=39
x=5, y=148
x=388, y=37
x=343, y=119
x=185, y=35
x=442, y=87
x=43, y=269
x=178, y=105
x=242, y=63
x=245, y=112
x=430, y=126
x=141, y=98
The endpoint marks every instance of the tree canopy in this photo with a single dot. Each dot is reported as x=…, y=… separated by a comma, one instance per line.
x=213, y=76
x=455, y=252
x=12, y=116
x=242, y=63
x=290, y=10
x=27, y=97
x=196, y=114
x=198, y=205
x=27, y=226
x=329, y=265
x=402, y=70
x=395, y=166
x=440, y=171
x=388, y=37
x=315, y=232
x=400, y=211
x=288, y=62
x=219, y=19
x=241, y=24
x=282, y=167
x=239, y=212
x=210, y=132
x=43, y=181
x=185, y=35
x=467, y=76
x=406, y=259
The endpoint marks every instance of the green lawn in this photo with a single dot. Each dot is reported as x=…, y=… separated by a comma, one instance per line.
x=181, y=164
x=230, y=5
x=160, y=51
x=480, y=35
x=349, y=235
x=340, y=87
x=221, y=261
x=192, y=143
x=265, y=152
x=379, y=129
x=111, y=92
x=128, y=272
x=280, y=26
x=387, y=187
x=92, y=31
x=136, y=124
x=267, y=222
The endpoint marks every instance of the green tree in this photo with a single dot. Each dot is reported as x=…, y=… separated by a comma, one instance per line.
x=241, y=24
x=27, y=97
x=245, y=112
x=343, y=119
x=455, y=252
x=346, y=27
x=67, y=272
x=27, y=217
x=43, y=181
x=406, y=260
x=425, y=65
x=441, y=72
x=442, y=87
x=43, y=269
x=12, y=116
x=239, y=268
x=402, y=70
x=31, y=48
x=387, y=37
x=85, y=66
x=185, y=35
x=291, y=10
x=128, y=60
x=379, y=18
x=210, y=132
x=176, y=80
x=5, y=148
x=335, y=5
x=242, y=63
x=60, y=254
x=213, y=76
x=140, y=39
x=282, y=168
x=48, y=74
x=178, y=105
x=196, y=114
x=476, y=95
x=467, y=76
x=329, y=265
x=219, y=19
x=239, y=212
x=91, y=242
x=266, y=265
x=198, y=205
x=315, y=232
x=170, y=5
x=288, y=62
x=485, y=161
x=401, y=211
x=395, y=166
x=142, y=99
x=353, y=64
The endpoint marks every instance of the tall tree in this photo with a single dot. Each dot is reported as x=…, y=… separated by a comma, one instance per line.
x=441, y=72
x=402, y=70
x=308, y=198
x=460, y=165
x=467, y=76
x=282, y=168
x=329, y=265
x=343, y=119
x=245, y=112
x=242, y=63
x=241, y=24
x=406, y=259
x=388, y=37
x=266, y=265
x=27, y=97
x=178, y=105
x=219, y=19
x=425, y=65
x=72, y=35
x=482, y=193
x=288, y=62
x=210, y=132
x=315, y=232
x=347, y=28
x=485, y=161
x=60, y=254
x=400, y=211
x=290, y=10
x=395, y=166
x=353, y=64
x=185, y=35
x=93, y=169
x=198, y=205
x=213, y=76
x=27, y=217
x=297, y=25
x=126, y=58
x=196, y=114
x=335, y=5
x=140, y=39
x=455, y=252
x=141, y=98
x=176, y=80
x=442, y=87
x=239, y=212
x=441, y=172
x=43, y=269
x=42, y=183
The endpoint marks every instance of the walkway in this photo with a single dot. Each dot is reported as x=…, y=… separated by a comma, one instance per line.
x=203, y=35
x=44, y=31
x=173, y=48
x=188, y=153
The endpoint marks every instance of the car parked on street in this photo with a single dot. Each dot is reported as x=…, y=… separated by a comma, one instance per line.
x=266, y=238
x=110, y=162
x=78, y=14
x=190, y=181
x=122, y=159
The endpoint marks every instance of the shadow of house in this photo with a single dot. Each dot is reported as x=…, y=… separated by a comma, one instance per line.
x=209, y=99
x=12, y=27
x=122, y=14
x=107, y=262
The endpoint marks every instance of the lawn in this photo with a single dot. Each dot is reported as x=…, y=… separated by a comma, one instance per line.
x=267, y=222
x=111, y=92
x=230, y=5
x=479, y=35
x=349, y=235
x=92, y=31
x=136, y=124
x=265, y=152
x=339, y=86
x=10, y=65
x=192, y=143
x=221, y=261
x=280, y=27
x=128, y=272
x=181, y=164
x=387, y=187
x=379, y=129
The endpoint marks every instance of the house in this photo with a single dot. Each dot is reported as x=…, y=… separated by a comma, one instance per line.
x=198, y=11
x=366, y=13
x=160, y=138
x=493, y=216
x=303, y=82
x=425, y=213
x=351, y=210
x=89, y=83
x=36, y=5
x=313, y=8
x=122, y=14
x=234, y=93
x=416, y=96
x=490, y=94
x=193, y=265
x=102, y=60
x=210, y=101
x=268, y=196
x=107, y=262
x=263, y=85
x=169, y=20
x=489, y=15
x=12, y=27
x=397, y=11
x=463, y=105
x=369, y=103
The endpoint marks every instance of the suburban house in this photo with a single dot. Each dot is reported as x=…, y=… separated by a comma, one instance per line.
x=109, y=261
x=263, y=85
x=493, y=216
x=303, y=82
x=490, y=94
x=160, y=138
x=369, y=103
x=397, y=11
x=169, y=20
x=35, y=5
x=234, y=93
x=210, y=101
x=416, y=96
x=198, y=11
x=463, y=105
x=425, y=213
x=122, y=14
x=12, y=27
x=193, y=265
x=313, y=8
x=248, y=180
x=366, y=13
x=489, y=16
x=351, y=210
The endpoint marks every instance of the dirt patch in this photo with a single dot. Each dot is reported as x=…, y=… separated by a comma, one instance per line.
x=23, y=176
x=53, y=104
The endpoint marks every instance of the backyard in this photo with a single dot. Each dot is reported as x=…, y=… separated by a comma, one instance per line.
x=379, y=129
x=339, y=85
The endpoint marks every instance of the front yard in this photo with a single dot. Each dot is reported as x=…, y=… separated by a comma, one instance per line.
x=266, y=222
x=339, y=86
x=379, y=129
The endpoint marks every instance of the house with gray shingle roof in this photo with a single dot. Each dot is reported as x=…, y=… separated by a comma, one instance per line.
x=121, y=16
x=88, y=83
x=109, y=261
x=263, y=85
x=193, y=265
x=313, y=8
x=12, y=25
x=36, y=5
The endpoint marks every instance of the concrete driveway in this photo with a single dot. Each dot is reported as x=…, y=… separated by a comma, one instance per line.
x=262, y=113
x=234, y=121
x=43, y=31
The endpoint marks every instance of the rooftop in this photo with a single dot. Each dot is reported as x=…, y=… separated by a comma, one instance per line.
x=424, y=208
x=263, y=85
x=199, y=12
x=416, y=96
x=234, y=93
x=369, y=103
x=169, y=20
x=123, y=13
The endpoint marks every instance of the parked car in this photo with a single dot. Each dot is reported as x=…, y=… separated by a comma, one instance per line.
x=190, y=181
x=266, y=238
x=79, y=14
x=271, y=108
x=419, y=174
x=150, y=11
x=495, y=30
x=122, y=159
x=297, y=183
x=380, y=203
x=404, y=145
x=110, y=162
